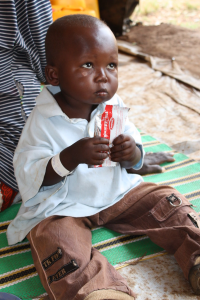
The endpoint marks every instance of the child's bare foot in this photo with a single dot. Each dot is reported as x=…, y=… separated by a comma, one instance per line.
x=152, y=163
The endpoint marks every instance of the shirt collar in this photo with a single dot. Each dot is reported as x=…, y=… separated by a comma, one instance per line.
x=48, y=106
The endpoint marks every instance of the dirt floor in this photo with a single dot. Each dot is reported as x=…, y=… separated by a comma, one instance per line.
x=169, y=41
x=184, y=13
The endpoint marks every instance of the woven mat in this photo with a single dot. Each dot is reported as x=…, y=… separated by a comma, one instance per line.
x=18, y=275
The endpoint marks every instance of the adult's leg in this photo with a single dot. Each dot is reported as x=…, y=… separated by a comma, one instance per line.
x=68, y=266
x=164, y=215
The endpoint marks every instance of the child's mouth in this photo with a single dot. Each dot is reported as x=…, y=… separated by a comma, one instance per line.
x=101, y=93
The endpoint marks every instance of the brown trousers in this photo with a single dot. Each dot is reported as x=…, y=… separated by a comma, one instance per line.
x=68, y=266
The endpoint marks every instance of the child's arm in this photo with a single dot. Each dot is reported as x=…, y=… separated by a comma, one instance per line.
x=91, y=151
x=125, y=151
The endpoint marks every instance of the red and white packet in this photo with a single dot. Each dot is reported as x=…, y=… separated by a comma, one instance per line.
x=109, y=125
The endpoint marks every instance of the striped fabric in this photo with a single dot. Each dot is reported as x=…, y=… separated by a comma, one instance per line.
x=18, y=275
x=23, y=26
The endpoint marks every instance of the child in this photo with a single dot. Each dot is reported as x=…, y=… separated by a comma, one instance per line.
x=63, y=198
x=20, y=84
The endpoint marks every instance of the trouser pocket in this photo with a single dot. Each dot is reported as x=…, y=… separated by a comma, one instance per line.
x=172, y=210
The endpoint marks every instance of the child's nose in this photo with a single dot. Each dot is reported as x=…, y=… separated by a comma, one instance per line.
x=101, y=76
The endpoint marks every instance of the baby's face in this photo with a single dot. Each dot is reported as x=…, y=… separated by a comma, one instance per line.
x=88, y=66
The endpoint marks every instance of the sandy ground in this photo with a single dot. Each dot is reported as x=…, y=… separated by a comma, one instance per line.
x=158, y=279
x=178, y=12
x=169, y=41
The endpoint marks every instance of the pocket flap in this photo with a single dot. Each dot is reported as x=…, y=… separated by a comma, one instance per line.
x=168, y=205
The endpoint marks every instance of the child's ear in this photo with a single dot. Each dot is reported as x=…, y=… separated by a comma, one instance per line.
x=51, y=74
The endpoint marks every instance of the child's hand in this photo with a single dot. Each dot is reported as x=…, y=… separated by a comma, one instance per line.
x=125, y=151
x=91, y=151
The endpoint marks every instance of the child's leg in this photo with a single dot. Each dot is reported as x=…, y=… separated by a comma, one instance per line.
x=68, y=266
x=164, y=215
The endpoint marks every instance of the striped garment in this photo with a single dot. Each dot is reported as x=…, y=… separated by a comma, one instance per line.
x=23, y=26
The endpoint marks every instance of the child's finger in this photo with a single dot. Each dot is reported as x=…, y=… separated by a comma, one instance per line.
x=120, y=139
x=123, y=155
x=100, y=155
x=99, y=140
x=101, y=148
x=120, y=147
x=99, y=158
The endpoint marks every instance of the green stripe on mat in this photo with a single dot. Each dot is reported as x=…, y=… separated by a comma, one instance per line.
x=157, y=148
x=130, y=251
x=10, y=262
x=177, y=173
x=98, y=232
x=27, y=289
x=147, y=138
x=13, y=210
x=17, y=273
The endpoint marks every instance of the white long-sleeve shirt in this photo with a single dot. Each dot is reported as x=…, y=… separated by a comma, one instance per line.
x=85, y=192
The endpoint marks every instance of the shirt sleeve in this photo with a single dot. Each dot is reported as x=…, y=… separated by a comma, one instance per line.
x=140, y=163
x=32, y=155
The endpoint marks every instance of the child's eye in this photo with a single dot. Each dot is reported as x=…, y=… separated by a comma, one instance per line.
x=87, y=65
x=111, y=66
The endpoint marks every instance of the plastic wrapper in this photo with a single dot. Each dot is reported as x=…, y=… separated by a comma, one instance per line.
x=109, y=125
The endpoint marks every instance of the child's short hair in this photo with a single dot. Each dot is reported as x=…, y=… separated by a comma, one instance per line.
x=78, y=20
x=54, y=37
